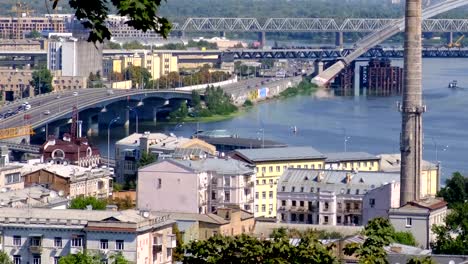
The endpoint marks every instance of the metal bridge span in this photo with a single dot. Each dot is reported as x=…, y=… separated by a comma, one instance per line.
x=377, y=37
x=229, y=24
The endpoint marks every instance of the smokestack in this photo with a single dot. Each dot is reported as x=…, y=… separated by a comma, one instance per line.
x=412, y=108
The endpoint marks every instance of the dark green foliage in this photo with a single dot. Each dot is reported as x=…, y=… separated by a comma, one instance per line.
x=133, y=45
x=87, y=258
x=425, y=260
x=180, y=113
x=405, y=238
x=138, y=75
x=112, y=45
x=218, y=102
x=247, y=103
x=146, y=159
x=81, y=203
x=33, y=35
x=249, y=250
x=455, y=191
x=303, y=88
x=379, y=233
x=203, y=76
x=41, y=81
x=452, y=237
x=4, y=258
x=94, y=80
x=178, y=252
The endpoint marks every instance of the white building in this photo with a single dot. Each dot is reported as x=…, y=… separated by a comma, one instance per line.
x=378, y=201
x=326, y=197
x=34, y=196
x=43, y=236
x=196, y=186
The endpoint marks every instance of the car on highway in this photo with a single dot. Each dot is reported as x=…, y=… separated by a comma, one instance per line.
x=58, y=96
x=110, y=92
x=46, y=112
x=75, y=93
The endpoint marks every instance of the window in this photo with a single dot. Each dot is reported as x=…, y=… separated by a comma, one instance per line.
x=293, y=203
x=257, y=182
x=227, y=181
x=263, y=208
x=293, y=217
x=298, y=166
x=312, y=166
x=325, y=205
x=293, y=189
x=282, y=217
x=325, y=219
x=213, y=195
x=263, y=181
x=119, y=245
x=256, y=208
x=270, y=181
x=12, y=178
x=302, y=189
x=409, y=222
x=263, y=169
x=270, y=194
x=169, y=252
x=104, y=244
x=270, y=208
x=338, y=219
x=214, y=181
x=339, y=205
x=311, y=189
x=372, y=203
x=356, y=206
x=319, y=166
x=306, y=166
x=159, y=183
x=283, y=202
x=283, y=188
x=264, y=195
x=36, y=259
x=16, y=259
x=318, y=190
x=301, y=218
x=270, y=169
x=16, y=241
x=77, y=242
x=348, y=191
x=301, y=203
x=357, y=191
x=285, y=167
x=56, y=260
x=256, y=195
x=278, y=168
x=227, y=196
x=35, y=241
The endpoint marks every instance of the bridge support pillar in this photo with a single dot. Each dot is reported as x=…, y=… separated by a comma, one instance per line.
x=127, y=119
x=181, y=34
x=339, y=39
x=57, y=132
x=222, y=34
x=449, y=37
x=262, y=38
x=318, y=67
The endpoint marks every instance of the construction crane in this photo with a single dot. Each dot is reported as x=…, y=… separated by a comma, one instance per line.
x=456, y=44
x=13, y=132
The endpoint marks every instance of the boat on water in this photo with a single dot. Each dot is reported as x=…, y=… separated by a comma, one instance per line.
x=453, y=84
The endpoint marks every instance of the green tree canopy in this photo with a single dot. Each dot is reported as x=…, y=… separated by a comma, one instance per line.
x=140, y=76
x=405, y=238
x=41, y=81
x=5, y=258
x=133, y=45
x=379, y=233
x=452, y=238
x=81, y=203
x=455, y=191
x=141, y=14
x=80, y=258
x=33, y=35
x=146, y=159
x=426, y=260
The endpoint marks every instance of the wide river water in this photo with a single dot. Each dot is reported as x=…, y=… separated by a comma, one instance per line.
x=370, y=124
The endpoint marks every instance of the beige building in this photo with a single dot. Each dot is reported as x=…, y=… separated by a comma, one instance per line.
x=21, y=44
x=18, y=27
x=158, y=64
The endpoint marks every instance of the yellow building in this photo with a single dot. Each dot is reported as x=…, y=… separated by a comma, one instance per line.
x=270, y=163
x=158, y=64
x=430, y=173
x=357, y=161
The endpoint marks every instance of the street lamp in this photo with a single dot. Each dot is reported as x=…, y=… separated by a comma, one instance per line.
x=108, y=139
x=133, y=109
x=155, y=110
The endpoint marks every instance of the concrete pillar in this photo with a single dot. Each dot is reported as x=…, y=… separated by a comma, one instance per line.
x=318, y=67
x=181, y=34
x=222, y=34
x=449, y=37
x=339, y=39
x=262, y=38
x=412, y=107
x=127, y=119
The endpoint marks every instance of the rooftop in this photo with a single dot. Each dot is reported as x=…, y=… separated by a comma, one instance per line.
x=336, y=181
x=155, y=140
x=66, y=171
x=221, y=166
x=207, y=218
x=35, y=196
x=392, y=162
x=421, y=206
x=244, y=142
x=279, y=154
x=349, y=156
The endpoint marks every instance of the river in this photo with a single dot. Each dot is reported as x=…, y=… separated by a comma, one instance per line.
x=372, y=123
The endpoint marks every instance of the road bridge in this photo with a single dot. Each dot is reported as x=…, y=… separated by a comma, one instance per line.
x=377, y=37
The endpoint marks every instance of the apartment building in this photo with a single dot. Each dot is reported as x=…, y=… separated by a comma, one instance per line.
x=18, y=27
x=270, y=164
x=43, y=236
x=418, y=217
x=72, y=180
x=357, y=161
x=158, y=64
x=430, y=173
x=129, y=149
x=326, y=197
x=195, y=186
x=377, y=202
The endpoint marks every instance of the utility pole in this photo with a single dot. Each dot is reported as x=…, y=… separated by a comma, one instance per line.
x=411, y=108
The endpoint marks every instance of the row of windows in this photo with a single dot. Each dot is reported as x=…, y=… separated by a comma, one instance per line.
x=360, y=164
x=263, y=206
x=270, y=195
x=278, y=168
x=313, y=189
x=75, y=242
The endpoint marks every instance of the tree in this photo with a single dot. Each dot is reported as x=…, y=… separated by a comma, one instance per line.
x=178, y=252
x=123, y=204
x=146, y=159
x=5, y=258
x=41, y=81
x=133, y=45
x=94, y=80
x=425, y=260
x=33, y=35
x=452, y=238
x=80, y=258
x=179, y=114
x=118, y=258
x=140, y=76
x=141, y=14
x=81, y=202
x=379, y=233
x=113, y=45
x=455, y=191
x=405, y=238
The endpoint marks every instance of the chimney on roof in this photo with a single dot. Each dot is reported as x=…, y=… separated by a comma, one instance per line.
x=349, y=177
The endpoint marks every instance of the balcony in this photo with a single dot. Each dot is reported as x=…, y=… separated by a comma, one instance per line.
x=171, y=241
x=35, y=249
x=157, y=248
